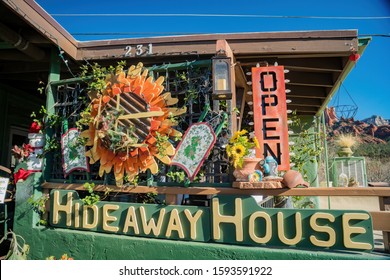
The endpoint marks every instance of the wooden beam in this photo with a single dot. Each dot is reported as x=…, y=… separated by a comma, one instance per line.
x=326, y=64
x=241, y=44
x=307, y=102
x=381, y=220
x=310, y=79
x=45, y=25
x=320, y=191
x=302, y=109
x=306, y=91
x=231, y=104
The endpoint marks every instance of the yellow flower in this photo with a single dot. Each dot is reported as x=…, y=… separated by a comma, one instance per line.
x=235, y=137
x=236, y=162
x=229, y=150
x=242, y=132
x=239, y=150
x=257, y=145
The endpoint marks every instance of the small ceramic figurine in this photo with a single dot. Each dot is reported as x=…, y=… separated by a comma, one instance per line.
x=343, y=180
x=270, y=166
x=256, y=176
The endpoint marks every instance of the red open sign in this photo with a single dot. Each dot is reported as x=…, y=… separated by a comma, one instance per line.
x=270, y=114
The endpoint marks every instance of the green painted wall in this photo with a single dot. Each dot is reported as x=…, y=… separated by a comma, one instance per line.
x=47, y=241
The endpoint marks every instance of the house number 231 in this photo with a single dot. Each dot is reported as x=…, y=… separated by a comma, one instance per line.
x=138, y=50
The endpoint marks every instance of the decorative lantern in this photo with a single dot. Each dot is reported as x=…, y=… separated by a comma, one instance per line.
x=221, y=77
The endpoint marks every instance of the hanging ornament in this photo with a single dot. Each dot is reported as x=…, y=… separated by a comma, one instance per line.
x=194, y=148
x=354, y=56
x=73, y=154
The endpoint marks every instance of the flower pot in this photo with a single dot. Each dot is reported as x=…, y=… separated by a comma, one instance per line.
x=345, y=152
x=36, y=140
x=248, y=167
x=34, y=160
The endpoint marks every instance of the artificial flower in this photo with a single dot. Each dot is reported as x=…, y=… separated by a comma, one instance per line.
x=35, y=128
x=239, y=147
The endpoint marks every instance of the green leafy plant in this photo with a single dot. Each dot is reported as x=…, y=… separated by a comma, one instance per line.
x=161, y=140
x=177, y=176
x=39, y=206
x=93, y=197
x=307, y=148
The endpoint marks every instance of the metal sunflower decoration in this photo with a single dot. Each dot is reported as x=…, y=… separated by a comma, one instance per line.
x=131, y=123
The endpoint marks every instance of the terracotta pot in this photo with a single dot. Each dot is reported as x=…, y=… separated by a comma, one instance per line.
x=293, y=178
x=248, y=167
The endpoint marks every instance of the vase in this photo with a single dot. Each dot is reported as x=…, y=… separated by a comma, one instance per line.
x=344, y=152
x=249, y=166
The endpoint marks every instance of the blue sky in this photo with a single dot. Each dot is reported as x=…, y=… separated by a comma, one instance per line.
x=368, y=83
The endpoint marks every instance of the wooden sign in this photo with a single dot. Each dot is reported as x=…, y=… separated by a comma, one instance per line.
x=270, y=114
x=73, y=155
x=233, y=220
x=194, y=148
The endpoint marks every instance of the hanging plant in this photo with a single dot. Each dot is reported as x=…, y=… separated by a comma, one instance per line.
x=130, y=123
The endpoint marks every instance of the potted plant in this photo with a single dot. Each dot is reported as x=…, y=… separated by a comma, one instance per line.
x=344, y=143
x=242, y=154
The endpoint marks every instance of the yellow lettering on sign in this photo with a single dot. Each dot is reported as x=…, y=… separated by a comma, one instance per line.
x=77, y=215
x=298, y=229
x=268, y=227
x=131, y=221
x=330, y=231
x=67, y=208
x=193, y=220
x=86, y=216
x=236, y=219
x=174, y=224
x=349, y=230
x=151, y=226
x=107, y=218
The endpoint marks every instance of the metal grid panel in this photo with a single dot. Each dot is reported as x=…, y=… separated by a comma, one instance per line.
x=191, y=85
x=353, y=167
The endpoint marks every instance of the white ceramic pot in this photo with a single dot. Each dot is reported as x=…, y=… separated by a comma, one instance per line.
x=36, y=140
x=34, y=160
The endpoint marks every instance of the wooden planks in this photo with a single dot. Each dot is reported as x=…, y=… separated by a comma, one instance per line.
x=321, y=191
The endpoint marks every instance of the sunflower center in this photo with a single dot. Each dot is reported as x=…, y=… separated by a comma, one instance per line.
x=127, y=131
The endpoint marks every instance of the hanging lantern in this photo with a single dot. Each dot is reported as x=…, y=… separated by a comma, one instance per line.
x=222, y=88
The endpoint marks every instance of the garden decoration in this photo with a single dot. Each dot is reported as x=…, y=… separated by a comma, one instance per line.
x=270, y=166
x=240, y=151
x=130, y=124
x=345, y=142
x=73, y=155
x=293, y=179
x=194, y=148
x=37, y=143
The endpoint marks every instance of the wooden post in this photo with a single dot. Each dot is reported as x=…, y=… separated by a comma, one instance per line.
x=55, y=68
x=386, y=234
x=231, y=104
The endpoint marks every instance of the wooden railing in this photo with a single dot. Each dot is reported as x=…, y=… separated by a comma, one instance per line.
x=381, y=219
